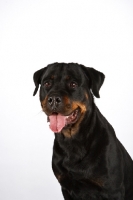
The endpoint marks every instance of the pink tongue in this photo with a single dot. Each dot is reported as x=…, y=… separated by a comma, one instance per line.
x=57, y=122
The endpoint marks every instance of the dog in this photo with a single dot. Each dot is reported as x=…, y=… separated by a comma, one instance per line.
x=88, y=160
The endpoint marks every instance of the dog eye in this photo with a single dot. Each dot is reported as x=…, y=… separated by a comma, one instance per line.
x=47, y=84
x=73, y=85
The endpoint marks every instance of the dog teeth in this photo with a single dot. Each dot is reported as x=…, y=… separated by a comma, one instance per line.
x=72, y=117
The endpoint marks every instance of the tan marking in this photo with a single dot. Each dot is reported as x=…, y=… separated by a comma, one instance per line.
x=69, y=132
x=67, y=77
x=86, y=95
x=97, y=181
x=59, y=177
x=43, y=103
x=67, y=102
x=80, y=105
x=52, y=77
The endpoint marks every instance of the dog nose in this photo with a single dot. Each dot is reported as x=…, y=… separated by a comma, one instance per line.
x=54, y=101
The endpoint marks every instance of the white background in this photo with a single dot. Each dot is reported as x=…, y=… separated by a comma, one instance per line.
x=34, y=33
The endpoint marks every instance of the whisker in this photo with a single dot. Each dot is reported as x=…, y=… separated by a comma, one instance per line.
x=40, y=112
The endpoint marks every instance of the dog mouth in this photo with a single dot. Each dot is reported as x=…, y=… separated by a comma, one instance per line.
x=58, y=121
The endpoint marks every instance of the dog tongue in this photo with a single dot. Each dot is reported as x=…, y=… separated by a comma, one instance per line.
x=57, y=122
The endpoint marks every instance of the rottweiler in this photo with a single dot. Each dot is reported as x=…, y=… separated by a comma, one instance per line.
x=88, y=160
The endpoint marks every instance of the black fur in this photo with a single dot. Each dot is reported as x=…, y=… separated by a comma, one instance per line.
x=88, y=160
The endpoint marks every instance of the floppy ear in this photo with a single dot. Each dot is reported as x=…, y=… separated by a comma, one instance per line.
x=97, y=79
x=37, y=79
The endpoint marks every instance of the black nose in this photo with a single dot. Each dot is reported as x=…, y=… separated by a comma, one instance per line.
x=54, y=101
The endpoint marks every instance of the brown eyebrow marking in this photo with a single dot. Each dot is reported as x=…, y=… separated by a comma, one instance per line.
x=52, y=77
x=67, y=77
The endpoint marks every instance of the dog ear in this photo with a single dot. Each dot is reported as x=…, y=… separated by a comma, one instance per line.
x=96, y=78
x=37, y=79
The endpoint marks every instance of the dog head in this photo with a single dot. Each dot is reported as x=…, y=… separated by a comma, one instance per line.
x=66, y=94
